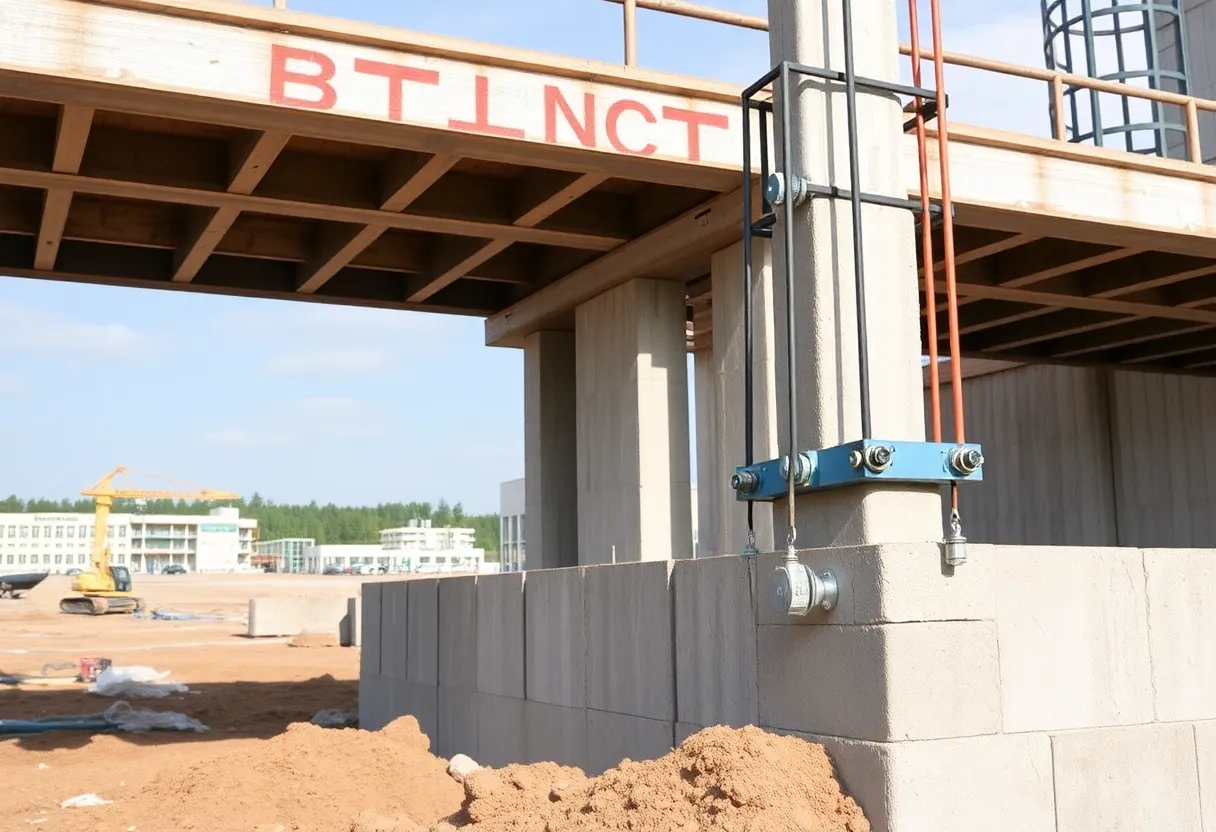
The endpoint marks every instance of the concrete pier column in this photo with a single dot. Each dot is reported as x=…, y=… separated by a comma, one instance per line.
x=550, y=467
x=729, y=516
x=708, y=468
x=633, y=444
x=826, y=311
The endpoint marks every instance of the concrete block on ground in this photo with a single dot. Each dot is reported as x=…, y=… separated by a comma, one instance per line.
x=290, y=615
x=354, y=618
x=999, y=783
x=419, y=701
x=422, y=631
x=1182, y=632
x=1073, y=630
x=458, y=634
x=556, y=654
x=500, y=635
x=375, y=701
x=881, y=683
x=715, y=634
x=615, y=737
x=893, y=583
x=1127, y=779
x=457, y=730
x=555, y=733
x=630, y=665
x=369, y=650
x=393, y=629
x=501, y=728
x=1205, y=753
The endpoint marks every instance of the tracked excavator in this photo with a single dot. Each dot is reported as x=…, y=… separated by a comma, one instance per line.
x=105, y=587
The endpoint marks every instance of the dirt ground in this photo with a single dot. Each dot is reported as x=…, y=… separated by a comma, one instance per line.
x=262, y=768
x=243, y=689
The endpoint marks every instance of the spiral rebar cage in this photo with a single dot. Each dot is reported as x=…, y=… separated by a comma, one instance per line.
x=1137, y=42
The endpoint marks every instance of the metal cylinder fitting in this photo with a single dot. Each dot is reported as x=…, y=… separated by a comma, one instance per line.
x=802, y=475
x=965, y=461
x=745, y=481
x=878, y=458
x=795, y=589
x=777, y=190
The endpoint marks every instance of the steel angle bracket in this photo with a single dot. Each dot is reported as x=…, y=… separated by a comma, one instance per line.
x=866, y=460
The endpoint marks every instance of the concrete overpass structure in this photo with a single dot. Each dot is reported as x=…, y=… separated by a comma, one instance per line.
x=591, y=213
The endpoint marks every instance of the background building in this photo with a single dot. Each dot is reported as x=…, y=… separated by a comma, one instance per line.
x=420, y=534
x=283, y=555
x=221, y=541
x=512, y=549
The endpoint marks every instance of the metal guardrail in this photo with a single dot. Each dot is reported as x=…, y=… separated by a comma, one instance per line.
x=1057, y=81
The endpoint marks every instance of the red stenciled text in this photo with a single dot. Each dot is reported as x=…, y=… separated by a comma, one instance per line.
x=305, y=78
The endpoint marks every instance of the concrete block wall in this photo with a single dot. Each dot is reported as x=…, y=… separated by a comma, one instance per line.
x=1033, y=688
x=1087, y=457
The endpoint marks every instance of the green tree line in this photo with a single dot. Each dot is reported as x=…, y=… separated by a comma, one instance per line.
x=325, y=523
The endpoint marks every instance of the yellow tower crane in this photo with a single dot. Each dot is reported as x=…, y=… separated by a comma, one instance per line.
x=106, y=588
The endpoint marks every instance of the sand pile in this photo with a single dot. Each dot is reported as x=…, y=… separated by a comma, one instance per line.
x=308, y=779
x=719, y=778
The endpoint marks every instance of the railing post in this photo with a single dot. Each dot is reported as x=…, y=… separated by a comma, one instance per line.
x=1057, y=100
x=1194, y=150
x=631, y=32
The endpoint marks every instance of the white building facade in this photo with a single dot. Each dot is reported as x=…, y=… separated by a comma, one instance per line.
x=512, y=545
x=221, y=541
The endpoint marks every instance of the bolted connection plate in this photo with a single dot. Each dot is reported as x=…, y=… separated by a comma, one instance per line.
x=866, y=460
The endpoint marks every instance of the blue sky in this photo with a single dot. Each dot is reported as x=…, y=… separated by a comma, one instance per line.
x=302, y=401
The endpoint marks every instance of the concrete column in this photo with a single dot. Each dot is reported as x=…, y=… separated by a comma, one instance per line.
x=726, y=272
x=550, y=469
x=827, y=371
x=633, y=453
x=708, y=469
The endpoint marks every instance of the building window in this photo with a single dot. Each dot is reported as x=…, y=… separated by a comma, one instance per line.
x=35, y=533
x=46, y=559
x=122, y=531
x=521, y=537
x=21, y=559
x=46, y=531
x=25, y=531
x=12, y=531
x=59, y=531
x=10, y=559
x=84, y=531
x=71, y=531
x=59, y=559
x=80, y=559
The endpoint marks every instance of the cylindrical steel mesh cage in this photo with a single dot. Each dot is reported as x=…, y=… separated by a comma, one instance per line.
x=1137, y=42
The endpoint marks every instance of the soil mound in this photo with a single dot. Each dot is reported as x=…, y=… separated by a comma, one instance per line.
x=307, y=779
x=720, y=778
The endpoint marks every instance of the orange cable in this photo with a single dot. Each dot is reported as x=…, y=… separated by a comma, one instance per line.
x=935, y=397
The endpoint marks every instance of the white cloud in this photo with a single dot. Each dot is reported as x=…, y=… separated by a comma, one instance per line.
x=307, y=421
x=338, y=416
x=325, y=360
x=46, y=331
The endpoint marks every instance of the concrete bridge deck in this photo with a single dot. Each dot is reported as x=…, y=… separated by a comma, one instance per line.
x=225, y=148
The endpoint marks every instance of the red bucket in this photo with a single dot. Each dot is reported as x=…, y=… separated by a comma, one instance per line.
x=91, y=667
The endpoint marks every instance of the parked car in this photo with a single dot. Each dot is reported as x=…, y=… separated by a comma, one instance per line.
x=75, y=570
x=332, y=569
x=174, y=569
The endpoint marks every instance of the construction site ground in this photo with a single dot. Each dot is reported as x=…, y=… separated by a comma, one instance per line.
x=258, y=768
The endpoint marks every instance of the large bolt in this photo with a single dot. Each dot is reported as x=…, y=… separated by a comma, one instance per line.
x=965, y=461
x=745, y=481
x=878, y=458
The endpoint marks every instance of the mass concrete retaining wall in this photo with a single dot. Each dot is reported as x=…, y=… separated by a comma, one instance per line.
x=1034, y=688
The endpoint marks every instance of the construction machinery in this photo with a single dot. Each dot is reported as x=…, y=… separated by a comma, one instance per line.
x=106, y=588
